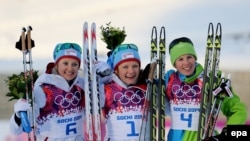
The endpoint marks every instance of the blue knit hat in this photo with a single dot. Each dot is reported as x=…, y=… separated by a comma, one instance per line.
x=69, y=50
x=123, y=53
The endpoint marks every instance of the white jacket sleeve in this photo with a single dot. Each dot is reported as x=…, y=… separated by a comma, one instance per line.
x=39, y=102
x=15, y=123
x=14, y=127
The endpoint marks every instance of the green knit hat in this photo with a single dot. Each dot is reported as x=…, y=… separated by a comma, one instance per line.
x=179, y=47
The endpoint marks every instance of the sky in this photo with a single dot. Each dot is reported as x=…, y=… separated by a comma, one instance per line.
x=55, y=21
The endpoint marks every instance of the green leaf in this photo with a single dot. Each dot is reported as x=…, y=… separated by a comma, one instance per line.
x=112, y=36
x=17, y=85
x=21, y=86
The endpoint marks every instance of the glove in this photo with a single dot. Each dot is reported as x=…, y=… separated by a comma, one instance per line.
x=224, y=86
x=104, y=72
x=147, y=68
x=220, y=137
x=146, y=72
x=102, y=68
x=21, y=105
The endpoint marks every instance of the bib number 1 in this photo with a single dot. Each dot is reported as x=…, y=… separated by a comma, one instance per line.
x=133, y=132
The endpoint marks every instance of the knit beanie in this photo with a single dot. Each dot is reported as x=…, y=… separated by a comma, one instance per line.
x=67, y=50
x=179, y=47
x=123, y=53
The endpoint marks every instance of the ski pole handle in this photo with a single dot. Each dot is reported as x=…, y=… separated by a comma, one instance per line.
x=25, y=121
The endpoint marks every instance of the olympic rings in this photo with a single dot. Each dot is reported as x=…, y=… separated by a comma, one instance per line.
x=129, y=96
x=69, y=99
x=187, y=90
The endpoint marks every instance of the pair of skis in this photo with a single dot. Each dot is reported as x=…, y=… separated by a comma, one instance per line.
x=158, y=93
x=92, y=102
x=25, y=44
x=154, y=107
x=213, y=84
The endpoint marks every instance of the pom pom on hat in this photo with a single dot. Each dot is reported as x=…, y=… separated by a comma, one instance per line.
x=67, y=50
x=179, y=47
x=123, y=53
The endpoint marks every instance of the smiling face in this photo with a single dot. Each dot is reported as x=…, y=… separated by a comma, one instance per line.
x=185, y=64
x=128, y=72
x=68, y=68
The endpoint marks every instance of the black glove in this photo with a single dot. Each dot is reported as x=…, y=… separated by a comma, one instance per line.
x=143, y=75
x=220, y=137
x=146, y=71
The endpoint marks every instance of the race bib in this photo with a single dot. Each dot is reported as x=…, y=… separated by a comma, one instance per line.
x=185, y=116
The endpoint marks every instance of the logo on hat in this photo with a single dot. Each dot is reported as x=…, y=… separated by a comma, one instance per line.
x=127, y=55
x=70, y=52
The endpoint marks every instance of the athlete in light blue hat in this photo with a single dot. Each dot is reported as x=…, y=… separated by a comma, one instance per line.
x=59, y=97
x=123, y=98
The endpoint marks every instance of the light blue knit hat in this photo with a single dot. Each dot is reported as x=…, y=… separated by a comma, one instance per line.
x=69, y=50
x=123, y=53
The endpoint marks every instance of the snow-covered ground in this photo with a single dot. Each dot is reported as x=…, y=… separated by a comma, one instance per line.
x=5, y=134
x=4, y=129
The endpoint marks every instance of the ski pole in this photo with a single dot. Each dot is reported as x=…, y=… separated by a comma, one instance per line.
x=25, y=44
x=146, y=105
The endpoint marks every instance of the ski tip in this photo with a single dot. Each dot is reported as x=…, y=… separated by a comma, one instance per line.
x=218, y=29
x=93, y=24
x=162, y=33
x=93, y=27
x=85, y=24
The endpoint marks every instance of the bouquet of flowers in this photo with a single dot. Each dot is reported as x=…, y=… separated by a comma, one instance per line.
x=18, y=84
x=112, y=36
